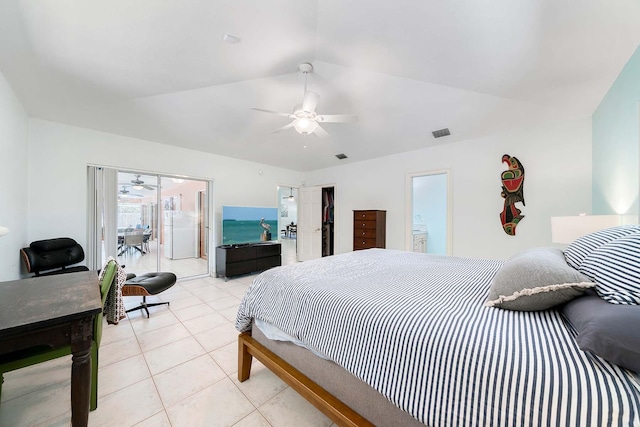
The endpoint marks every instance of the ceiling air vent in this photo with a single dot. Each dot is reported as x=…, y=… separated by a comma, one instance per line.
x=440, y=133
x=341, y=156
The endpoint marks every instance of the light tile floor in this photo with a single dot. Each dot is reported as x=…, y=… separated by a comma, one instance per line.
x=177, y=368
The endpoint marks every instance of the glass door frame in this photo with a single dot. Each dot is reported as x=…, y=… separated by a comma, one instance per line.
x=209, y=229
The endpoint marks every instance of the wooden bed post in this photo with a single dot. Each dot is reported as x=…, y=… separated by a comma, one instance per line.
x=333, y=408
x=244, y=358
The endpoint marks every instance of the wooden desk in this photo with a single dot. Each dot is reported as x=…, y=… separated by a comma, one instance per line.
x=54, y=310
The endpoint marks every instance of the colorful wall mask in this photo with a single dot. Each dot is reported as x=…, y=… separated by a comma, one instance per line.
x=512, y=192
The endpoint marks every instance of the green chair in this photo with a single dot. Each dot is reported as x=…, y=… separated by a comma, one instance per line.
x=31, y=356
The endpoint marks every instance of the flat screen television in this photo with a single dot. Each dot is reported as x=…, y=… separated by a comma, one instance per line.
x=241, y=224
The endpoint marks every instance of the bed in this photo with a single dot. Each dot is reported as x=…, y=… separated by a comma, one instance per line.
x=385, y=337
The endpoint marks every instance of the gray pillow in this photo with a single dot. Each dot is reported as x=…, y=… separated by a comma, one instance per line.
x=536, y=279
x=607, y=330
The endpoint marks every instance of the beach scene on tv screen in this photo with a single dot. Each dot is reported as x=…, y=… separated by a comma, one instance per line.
x=241, y=224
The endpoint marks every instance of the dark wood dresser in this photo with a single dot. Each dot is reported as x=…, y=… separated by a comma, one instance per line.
x=235, y=260
x=369, y=229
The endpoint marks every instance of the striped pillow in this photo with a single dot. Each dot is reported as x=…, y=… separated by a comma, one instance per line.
x=615, y=267
x=582, y=247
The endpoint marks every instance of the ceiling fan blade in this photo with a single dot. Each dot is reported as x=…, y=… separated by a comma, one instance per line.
x=285, y=127
x=321, y=133
x=274, y=112
x=149, y=187
x=337, y=118
x=310, y=101
x=130, y=195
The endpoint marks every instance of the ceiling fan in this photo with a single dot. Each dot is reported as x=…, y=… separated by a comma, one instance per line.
x=139, y=184
x=305, y=119
x=290, y=196
x=124, y=192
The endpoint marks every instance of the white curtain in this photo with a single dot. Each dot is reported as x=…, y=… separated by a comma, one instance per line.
x=110, y=211
x=102, y=208
x=94, y=224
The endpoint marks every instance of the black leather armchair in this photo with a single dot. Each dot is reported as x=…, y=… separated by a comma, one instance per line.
x=53, y=256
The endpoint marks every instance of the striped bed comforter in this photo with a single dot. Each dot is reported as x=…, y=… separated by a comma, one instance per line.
x=415, y=328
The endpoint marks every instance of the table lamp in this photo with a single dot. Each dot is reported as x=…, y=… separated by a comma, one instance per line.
x=566, y=229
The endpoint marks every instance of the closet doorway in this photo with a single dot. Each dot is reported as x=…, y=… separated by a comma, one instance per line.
x=429, y=213
x=316, y=222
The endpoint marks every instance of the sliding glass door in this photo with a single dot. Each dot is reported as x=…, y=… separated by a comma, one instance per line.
x=137, y=222
x=155, y=222
x=184, y=231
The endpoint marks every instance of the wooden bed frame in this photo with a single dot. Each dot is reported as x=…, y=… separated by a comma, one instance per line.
x=336, y=410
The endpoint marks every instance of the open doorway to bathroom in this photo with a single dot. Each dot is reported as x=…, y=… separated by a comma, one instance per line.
x=428, y=212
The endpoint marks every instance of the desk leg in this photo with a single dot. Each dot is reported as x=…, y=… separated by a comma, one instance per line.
x=81, y=337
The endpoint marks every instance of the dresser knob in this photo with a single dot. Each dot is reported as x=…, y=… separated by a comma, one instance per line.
x=363, y=224
x=363, y=243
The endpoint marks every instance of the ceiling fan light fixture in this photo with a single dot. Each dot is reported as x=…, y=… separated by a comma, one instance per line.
x=305, y=125
x=305, y=118
x=137, y=187
x=290, y=197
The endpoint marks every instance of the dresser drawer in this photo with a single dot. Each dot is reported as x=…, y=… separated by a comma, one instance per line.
x=240, y=253
x=266, y=263
x=363, y=224
x=240, y=267
x=363, y=243
x=364, y=215
x=370, y=233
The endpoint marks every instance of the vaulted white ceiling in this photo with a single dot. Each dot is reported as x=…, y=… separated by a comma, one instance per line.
x=159, y=69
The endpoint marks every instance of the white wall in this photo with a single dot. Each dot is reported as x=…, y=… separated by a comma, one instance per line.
x=58, y=159
x=556, y=157
x=557, y=162
x=14, y=132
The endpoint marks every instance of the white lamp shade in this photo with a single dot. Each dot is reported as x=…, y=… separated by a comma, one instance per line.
x=566, y=229
x=3, y=231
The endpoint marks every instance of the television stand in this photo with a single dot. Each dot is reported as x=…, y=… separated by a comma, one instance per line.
x=236, y=260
